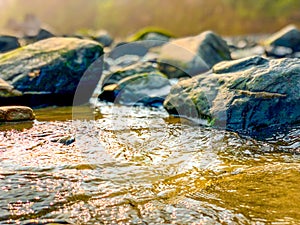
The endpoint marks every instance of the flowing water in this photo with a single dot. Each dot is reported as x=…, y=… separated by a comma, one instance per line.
x=139, y=166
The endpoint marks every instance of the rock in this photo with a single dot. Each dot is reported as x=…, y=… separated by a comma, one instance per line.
x=43, y=34
x=278, y=51
x=137, y=68
x=51, y=66
x=123, y=49
x=148, y=89
x=6, y=90
x=194, y=55
x=252, y=96
x=8, y=43
x=156, y=37
x=16, y=113
x=151, y=33
x=103, y=37
x=288, y=37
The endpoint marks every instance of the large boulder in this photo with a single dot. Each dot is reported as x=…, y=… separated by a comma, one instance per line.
x=149, y=89
x=8, y=43
x=251, y=96
x=193, y=55
x=51, y=66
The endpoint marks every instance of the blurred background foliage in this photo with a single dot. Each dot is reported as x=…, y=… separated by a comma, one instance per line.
x=180, y=17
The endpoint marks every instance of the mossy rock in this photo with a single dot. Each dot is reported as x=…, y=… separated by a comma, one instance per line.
x=158, y=34
x=253, y=96
x=54, y=65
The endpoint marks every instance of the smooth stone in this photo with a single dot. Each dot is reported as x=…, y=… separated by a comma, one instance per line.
x=148, y=89
x=193, y=55
x=16, y=113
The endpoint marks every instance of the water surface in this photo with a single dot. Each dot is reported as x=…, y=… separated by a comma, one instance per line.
x=138, y=166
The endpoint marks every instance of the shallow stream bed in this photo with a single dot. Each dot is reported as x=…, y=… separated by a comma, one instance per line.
x=139, y=166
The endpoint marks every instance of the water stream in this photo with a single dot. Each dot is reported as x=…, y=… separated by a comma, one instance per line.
x=139, y=166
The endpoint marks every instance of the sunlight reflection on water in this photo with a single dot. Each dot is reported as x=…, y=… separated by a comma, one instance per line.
x=145, y=169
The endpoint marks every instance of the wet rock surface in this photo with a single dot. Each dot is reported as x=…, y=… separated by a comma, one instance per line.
x=48, y=73
x=249, y=95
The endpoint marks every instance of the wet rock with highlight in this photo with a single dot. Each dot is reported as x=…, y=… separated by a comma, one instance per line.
x=251, y=96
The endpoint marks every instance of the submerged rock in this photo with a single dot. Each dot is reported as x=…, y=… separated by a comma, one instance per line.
x=51, y=66
x=193, y=55
x=147, y=89
x=8, y=43
x=249, y=95
x=16, y=113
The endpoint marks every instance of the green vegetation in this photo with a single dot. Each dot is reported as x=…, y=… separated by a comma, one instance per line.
x=122, y=18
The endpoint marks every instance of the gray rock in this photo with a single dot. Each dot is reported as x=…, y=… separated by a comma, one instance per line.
x=193, y=55
x=288, y=37
x=152, y=36
x=16, y=113
x=250, y=96
x=137, y=68
x=54, y=65
x=6, y=90
x=134, y=48
x=278, y=51
x=104, y=38
x=140, y=89
x=8, y=43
